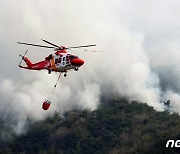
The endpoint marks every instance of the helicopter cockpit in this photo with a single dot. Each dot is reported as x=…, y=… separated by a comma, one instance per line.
x=71, y=57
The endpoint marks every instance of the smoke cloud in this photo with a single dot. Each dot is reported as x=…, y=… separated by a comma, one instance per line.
x=140, y=58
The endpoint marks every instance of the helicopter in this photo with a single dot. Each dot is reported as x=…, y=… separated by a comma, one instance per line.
x=60, y=61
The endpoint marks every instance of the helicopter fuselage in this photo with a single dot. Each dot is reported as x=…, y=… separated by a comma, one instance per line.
x=58, y=62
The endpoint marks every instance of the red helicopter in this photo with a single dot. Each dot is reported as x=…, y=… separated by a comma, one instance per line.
x=61, y=61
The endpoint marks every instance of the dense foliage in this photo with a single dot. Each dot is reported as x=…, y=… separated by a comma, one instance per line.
x=117, y=126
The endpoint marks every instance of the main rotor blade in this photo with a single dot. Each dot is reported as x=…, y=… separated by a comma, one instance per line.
x=92, y=50
x=50, y=43
x=43, y=46
x=82, y=46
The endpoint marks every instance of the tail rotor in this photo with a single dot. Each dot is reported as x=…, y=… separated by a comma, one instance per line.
x=22, y=57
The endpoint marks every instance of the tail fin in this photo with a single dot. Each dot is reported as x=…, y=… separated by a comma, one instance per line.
x=27, y=61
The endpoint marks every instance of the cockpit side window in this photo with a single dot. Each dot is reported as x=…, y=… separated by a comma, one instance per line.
x=71, y=57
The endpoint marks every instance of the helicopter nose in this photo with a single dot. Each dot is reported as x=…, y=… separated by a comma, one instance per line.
x=77, y=62
x=81, y=62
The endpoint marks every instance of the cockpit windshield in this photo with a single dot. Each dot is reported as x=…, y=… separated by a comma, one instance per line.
x=71, y=57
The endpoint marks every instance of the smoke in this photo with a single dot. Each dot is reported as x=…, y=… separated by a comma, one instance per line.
x=140, y=58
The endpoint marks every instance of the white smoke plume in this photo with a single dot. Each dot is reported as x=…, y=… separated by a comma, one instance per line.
x=140, y=61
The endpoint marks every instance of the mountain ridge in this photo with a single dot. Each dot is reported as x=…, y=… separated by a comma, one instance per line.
x=117, y=126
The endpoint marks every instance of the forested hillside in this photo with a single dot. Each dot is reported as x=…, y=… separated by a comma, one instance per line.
x=117, y=126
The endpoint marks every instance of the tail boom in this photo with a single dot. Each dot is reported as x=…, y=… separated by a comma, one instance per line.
x=37, y=66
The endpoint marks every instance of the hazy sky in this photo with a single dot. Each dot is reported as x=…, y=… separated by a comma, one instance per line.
x=140, y=40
